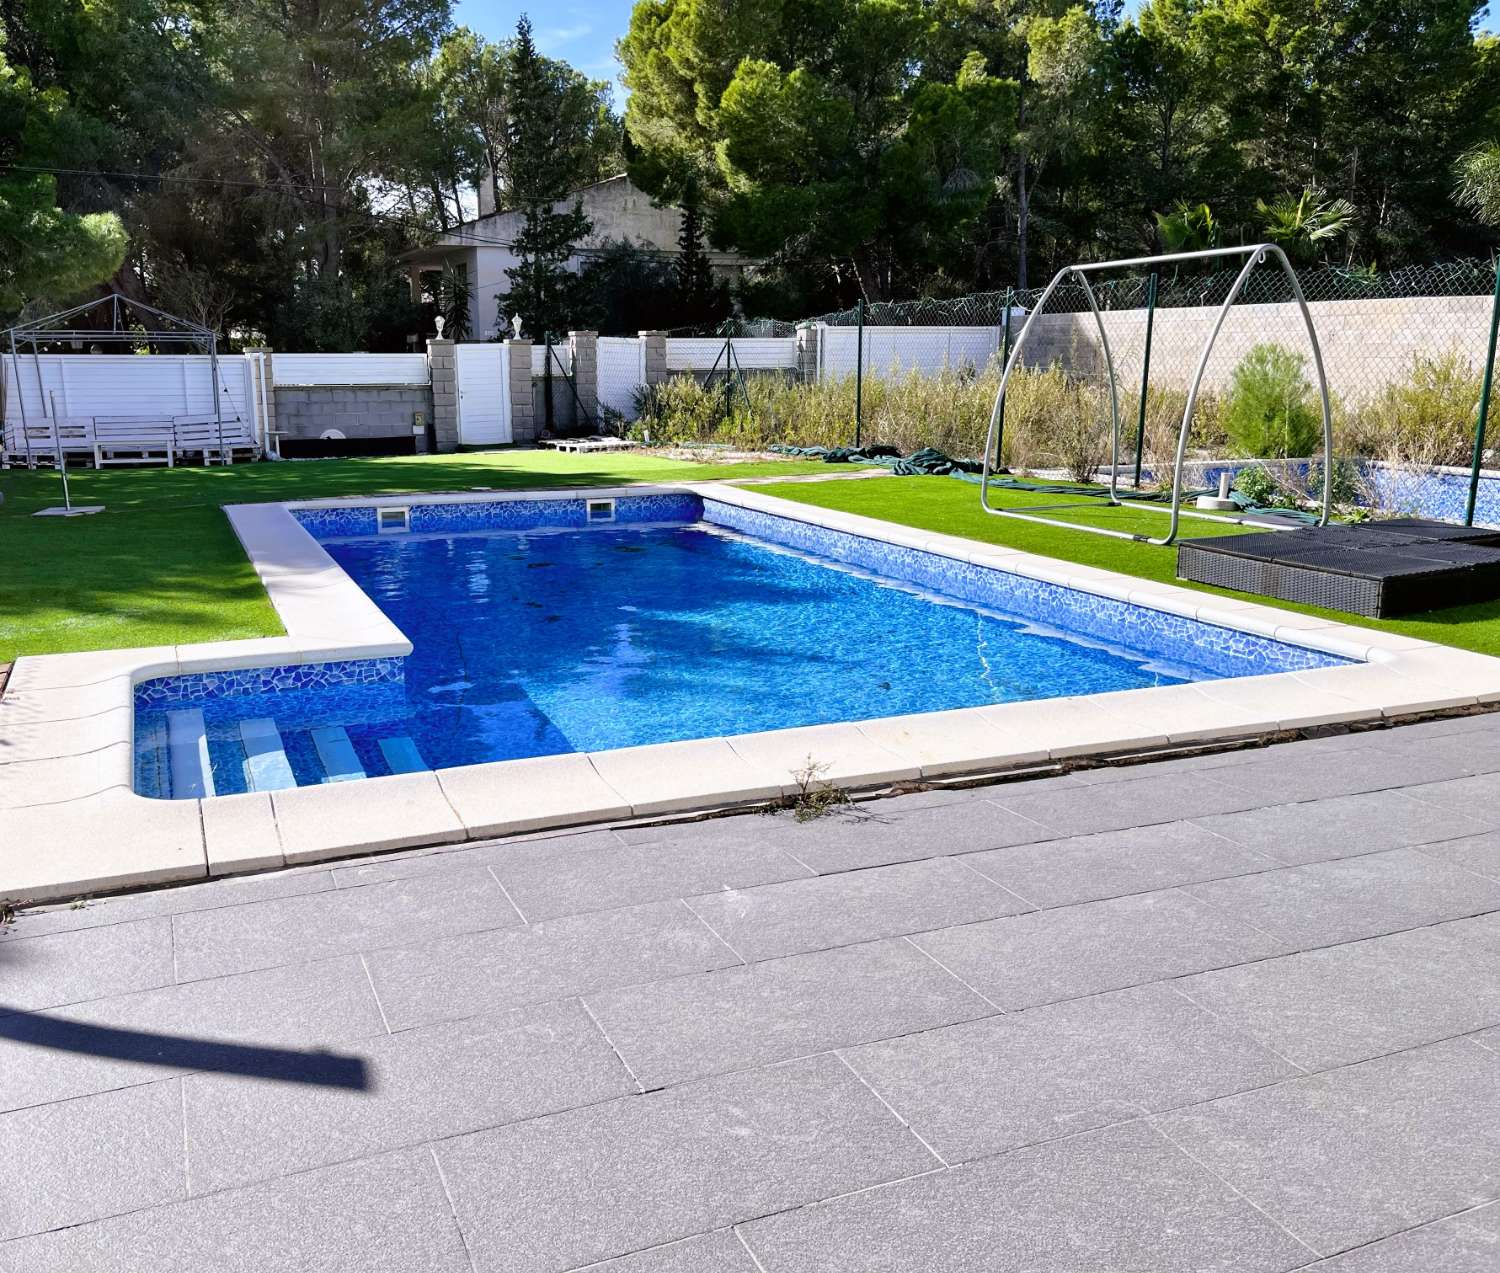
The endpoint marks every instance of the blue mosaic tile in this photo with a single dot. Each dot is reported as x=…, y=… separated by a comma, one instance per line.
x=502, y=514
x=1226, y=651
x=197, y=687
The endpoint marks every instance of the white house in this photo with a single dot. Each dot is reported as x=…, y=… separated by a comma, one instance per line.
x=481, y=247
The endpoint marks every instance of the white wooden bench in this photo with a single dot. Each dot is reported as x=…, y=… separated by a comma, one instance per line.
x=133, y=440
x=37, y=441
x=202, y=435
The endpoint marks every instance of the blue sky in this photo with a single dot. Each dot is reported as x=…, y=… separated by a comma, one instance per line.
x=584, y=32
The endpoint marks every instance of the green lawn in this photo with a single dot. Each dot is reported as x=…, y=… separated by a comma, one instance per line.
x=161, y=565
x=952, y=507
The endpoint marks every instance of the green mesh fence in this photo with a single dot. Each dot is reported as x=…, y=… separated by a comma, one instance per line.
x=1406, y=355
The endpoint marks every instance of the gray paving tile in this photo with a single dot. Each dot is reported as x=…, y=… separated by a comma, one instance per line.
x=1477, y=796
x=1477, y=853
x=549, y=878
x=1469, y=752
x=563, y=1191
x=1485, y=722
x=1292, y=774
x=718, y=1252
x=422, y=1084
x=1466, y=1243
x=75, y=1161
x=866, y=836
x=1081, y=950
x=1482, y=931
x=853, y=906
x=405, y=866
x=557, y=958
x=1348, y=1003
x=93, y=963
x=1108, y=1202
x=1352, y=898
x=1088, y=868
x=738, y=1017
x=293, y=929
x=234, y=891
x=983, y=1087
x=226, y=1023
x=1341, y=826
x=382, y=1215
x=1115, y=806
x=1359, y=1153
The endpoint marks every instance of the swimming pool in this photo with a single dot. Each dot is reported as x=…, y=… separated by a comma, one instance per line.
x=546, y=626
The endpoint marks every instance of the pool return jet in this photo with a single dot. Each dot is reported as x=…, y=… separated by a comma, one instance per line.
x=1255, y=255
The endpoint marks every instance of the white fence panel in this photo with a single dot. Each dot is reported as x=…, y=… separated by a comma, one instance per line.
x=483, y=373
x=562, y=360
x=757, y=353
x=162, y=385
x=350, y=369
x=622, y=370
x=891, y=352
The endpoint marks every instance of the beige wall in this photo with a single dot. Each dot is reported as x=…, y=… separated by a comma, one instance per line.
x=1366, y=344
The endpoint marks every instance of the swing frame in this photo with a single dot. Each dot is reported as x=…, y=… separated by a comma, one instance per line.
x=1255, y=254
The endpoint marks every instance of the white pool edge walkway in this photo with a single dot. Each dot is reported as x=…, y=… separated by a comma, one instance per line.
x=71, y=824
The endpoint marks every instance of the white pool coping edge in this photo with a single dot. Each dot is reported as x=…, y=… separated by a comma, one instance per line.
x=70, y=823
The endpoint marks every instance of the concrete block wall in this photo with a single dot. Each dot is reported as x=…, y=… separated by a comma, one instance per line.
x=656, y=357
x=356, y=411
x=1366, y=344
x=585, y=349
x=444, y=374
x=523, y=412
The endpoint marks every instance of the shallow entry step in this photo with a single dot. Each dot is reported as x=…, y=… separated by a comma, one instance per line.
x=266, y=765
x=336, y=753
x=187, y=748
x=402, y=756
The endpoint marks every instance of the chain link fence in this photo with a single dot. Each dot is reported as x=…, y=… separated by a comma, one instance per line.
x=1409, y=356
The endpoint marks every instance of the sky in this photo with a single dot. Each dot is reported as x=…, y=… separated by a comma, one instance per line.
x=582, y=32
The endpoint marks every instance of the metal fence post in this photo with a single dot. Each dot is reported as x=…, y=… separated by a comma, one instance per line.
x=859, y=371
x=547, y=413
x=1140, y=423
x=728, y=372
x=1484, y=401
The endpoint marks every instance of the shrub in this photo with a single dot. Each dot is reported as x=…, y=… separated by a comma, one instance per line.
x=1428, y=418
x=1269, y=409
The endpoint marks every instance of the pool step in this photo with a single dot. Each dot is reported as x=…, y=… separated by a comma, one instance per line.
x=402, y=756
x=187, y=748
x=340, y=764
x=266, y=765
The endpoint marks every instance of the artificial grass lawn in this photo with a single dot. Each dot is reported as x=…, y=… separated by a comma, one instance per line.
x=160, y=566
x=952, y=507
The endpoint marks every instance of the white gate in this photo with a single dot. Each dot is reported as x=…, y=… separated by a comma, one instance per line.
x=483, y=375
x=622, y=369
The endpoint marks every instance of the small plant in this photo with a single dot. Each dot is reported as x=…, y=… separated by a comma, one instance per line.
x=8, y=911
x=815, y=797
x=1269, y=410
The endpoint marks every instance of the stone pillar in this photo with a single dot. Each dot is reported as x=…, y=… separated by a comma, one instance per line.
x=808, y=337
x=585, y=350
x=266, y=384
x=522, y=406
x=656, y=356
x=444, y=373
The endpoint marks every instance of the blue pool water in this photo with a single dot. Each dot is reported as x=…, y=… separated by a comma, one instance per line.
x=536, y=642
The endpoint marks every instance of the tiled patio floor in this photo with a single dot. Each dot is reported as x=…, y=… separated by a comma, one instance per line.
x=1237, y=1013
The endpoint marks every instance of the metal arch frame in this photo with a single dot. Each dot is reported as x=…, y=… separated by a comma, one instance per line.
x=54, y=327
x=1255, y=254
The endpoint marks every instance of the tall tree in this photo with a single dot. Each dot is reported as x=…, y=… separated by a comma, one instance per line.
x=541, y=148
x=813, y=129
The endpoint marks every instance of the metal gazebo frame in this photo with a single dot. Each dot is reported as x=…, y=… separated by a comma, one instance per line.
x=1256, y=254
x=61, y=327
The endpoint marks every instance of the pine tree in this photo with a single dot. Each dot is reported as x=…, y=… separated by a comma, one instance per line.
x=694, y=279
x=543, y=291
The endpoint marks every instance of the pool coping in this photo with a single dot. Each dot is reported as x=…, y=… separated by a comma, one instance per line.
x=71, y=824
